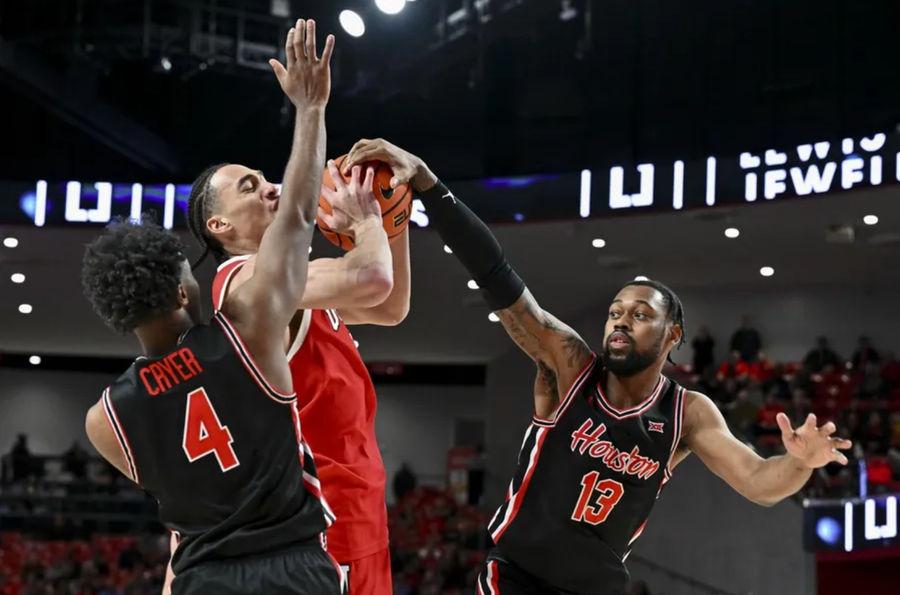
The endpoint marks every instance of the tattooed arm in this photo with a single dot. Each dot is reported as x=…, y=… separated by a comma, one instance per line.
x=558, y=351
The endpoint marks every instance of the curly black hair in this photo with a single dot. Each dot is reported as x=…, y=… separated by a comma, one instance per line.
x=130, y=272
x=201, y=203
x=675, y=312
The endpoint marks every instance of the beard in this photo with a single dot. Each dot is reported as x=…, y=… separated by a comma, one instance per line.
x=634, y=361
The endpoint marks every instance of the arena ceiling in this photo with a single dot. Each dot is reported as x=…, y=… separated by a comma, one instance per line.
x=448, y=322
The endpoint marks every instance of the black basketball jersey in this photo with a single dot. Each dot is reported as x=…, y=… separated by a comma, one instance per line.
x=585, y=484
x=221, y=449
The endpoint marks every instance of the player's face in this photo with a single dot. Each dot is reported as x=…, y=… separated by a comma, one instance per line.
x=636, y=330
x=247, y=203
x=191, y=290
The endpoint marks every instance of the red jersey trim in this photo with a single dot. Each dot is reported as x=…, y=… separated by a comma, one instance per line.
x=488, y=582
x=679, y=427
x=515, y=501
x=637, y=410
x=236, y=263
x=301, y=334
x=121, y=438
x=235, y=339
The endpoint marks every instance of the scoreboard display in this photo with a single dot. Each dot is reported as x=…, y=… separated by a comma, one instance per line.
x=850, y=525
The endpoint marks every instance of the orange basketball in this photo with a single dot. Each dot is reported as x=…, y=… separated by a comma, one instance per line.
x=396, y=203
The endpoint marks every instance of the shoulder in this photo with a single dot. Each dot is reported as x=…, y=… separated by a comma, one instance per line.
x=230, y=272
x=699, y=412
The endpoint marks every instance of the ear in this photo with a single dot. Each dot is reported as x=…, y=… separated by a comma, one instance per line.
x=218, y=225
x=675, y=334
x=183, y=299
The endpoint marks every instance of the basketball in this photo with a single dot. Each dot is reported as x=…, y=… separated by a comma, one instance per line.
x=396, y=203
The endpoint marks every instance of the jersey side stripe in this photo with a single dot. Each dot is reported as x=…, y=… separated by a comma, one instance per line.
x=119, y=432
x=516, y=501
x=678, y=417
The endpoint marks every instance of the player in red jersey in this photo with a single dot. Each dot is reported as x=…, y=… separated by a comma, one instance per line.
x=229, y=209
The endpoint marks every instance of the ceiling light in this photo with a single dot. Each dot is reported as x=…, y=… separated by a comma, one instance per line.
x=34, y=360
x=598, y=243
x=17, y=278
x=165, y=63
x=447, y=249
x=870, y=219
x=640, y=278
x=767, y=271
x=390, y=6
x=25, y=308
x=732, y=232
x=493, y=317
x=10, y=242
x=471, y=284
x=352, y=23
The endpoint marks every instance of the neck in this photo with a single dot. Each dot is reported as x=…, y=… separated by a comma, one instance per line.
x=631, y=390
x=160, y=336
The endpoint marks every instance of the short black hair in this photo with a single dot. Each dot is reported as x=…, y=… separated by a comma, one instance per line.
x=130, y=272
x=675, y=311
x=200, y=208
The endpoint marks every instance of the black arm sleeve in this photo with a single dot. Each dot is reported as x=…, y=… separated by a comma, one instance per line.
x=474, y=245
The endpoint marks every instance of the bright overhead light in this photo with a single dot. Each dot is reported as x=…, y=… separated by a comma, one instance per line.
x=732, y=232
x=352, y=23
x=34, y=360
x=640, y=278
x=766, y=271
x=598, y=243
x=356, y=343
x=493, y=317
x=471, y=284
x=10, y=242
x=17, y=278
x=870, y=219
x=447, y=249
x=25, y=308
x=165, y=63
x=390, y=6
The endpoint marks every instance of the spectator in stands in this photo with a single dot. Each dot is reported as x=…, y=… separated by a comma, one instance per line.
x=737, y=368
x=703, y=345
x=873, y=385
x=767, y=430
x=799, y=408
x=878, y=470
x=864, y=355
x=820, y=357
x=761, y=369
x=742, y=413
x=876, y=434
x=777, y=384
x=404, y=482
x=23, y=462
x=75, y=461
x=890, y=371
x=746, y=340
x=852, y=426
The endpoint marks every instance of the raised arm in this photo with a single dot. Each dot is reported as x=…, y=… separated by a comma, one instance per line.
x=556, y=349
x=763, y=481
x=264, y=304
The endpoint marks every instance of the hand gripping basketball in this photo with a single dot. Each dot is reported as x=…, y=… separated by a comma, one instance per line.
x=348, y=204
x=395, y=202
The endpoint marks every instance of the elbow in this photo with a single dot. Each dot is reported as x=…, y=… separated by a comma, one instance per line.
x=394, y=313
x=375, y=285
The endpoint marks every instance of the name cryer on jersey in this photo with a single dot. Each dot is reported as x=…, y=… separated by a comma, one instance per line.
x=172, y=370
x=586, y=441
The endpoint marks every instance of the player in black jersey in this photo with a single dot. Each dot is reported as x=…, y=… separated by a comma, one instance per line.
x=206, y=421
x=607, y=431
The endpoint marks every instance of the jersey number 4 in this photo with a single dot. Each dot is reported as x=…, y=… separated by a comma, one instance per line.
x=597, y=499
x=204, y=433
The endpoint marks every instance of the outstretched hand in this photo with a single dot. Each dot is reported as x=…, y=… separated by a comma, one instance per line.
x=813, y=446
x=306, y=79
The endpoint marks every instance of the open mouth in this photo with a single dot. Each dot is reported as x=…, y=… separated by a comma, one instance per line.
x=619, y=340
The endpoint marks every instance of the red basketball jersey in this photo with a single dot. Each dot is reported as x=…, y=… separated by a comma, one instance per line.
x=337, y=413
